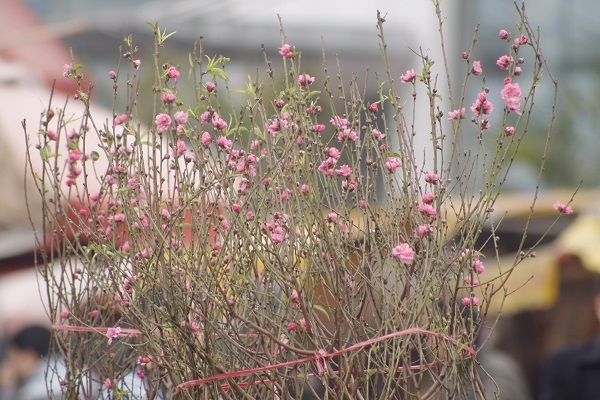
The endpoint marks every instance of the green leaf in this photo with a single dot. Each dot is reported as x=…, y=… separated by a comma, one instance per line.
x=313, y=93
x=391, y=154
x=322, y=309
x=152, y=26
x=259, y=132
x=46, y=153
x=218, y=72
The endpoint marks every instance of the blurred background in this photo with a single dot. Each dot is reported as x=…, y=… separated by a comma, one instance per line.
x=554, y=309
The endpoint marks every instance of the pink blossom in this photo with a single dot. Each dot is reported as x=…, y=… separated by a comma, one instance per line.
x=332, y=217
x=279, y=103
x=173, y=73
x=218, y=122
x=318, y=128
x=377, y=134
x=347, y=134
x=563, y=208
x=181, y=117
x=503, y=34
x=482, y=106
x=327, y=167
x=113, y=333
x=404, y=253
x=291, y=326
x=344, y=171
x=428, y=198
x=277, y=234
x=504, y=62
x=432, y=178
x=471, y=282
x=422, y=230
x=305, y=80
x=275, y=126
x=409, y=76
x=470, y=301
x=210, y=86
x=120, y=119
x=206, y=139
x=456, y=114
x=373, y=107
x=119, y=217
x=339, y=122
x=112, y=75
x=225, y=224
x=392, y=164
x=163, y=122
x=64, y=314
x=180, y=148
x=306, y=326
x=478, y=266
x=224, y=143
x=249, y=216
x=137, y=64
x=295, y=297
x=511, y=94
x=108, y=384
x=286, y=51
x=52, y=135
x=476, y=68
x=304, y=188
x=320, y=362
x=75, y=155
x=67, y=70
x=168, y=97
x=427, y=209
x=349, y=185
x=509, y=130
x=333, y=153
x=205, y=116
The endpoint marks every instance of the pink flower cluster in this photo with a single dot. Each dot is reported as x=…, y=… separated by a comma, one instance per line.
x=409, y=76
x=511, y=94
x=213, y=118
x=305, y=80
x=286, y=51
x=113, y=333
x=404, y=253
x=476, y=68
x=456, y=114
x=563, y=208
x=504, y=62
x=482, y=106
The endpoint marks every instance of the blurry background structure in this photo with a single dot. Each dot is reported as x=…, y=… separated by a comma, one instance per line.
x=555, y=307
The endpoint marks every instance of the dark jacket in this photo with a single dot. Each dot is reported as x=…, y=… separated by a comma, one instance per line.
x=572, y=373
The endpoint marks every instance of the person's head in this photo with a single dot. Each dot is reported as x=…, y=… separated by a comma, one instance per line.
x=26, y=348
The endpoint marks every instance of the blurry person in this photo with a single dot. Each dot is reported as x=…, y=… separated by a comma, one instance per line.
x=501, y=375
x=574, y=372
x=25, y=373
